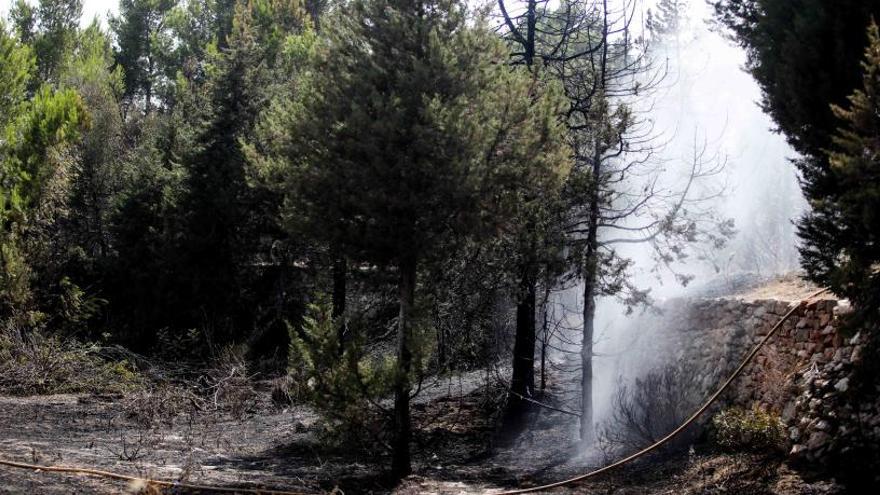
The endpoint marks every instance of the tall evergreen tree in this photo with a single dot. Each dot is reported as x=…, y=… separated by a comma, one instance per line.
x=667, y=19
x=58, y=25
x=223, y=215
x=37, y=133
x=96, y=177
x=805, y=55
x=851, y=216
x=24, y=19
x=417, y=132
x=143, y=45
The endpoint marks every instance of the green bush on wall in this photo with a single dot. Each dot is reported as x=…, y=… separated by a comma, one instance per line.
x=748, y=430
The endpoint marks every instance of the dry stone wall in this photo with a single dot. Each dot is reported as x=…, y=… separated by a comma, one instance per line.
x=805, y=373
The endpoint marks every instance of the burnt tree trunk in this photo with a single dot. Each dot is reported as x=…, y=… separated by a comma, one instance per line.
x=522, y=383
x=545, y=335
x=400, y=456
x=586, y=420
x=340, y=275
x=591, y=284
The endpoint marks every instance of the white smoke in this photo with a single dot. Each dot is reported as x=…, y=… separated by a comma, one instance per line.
x=706, y=99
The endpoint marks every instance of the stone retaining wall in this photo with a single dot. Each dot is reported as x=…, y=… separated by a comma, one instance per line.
x=804, y=374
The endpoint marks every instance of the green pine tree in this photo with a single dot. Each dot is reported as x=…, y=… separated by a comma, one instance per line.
x=144, y=43
x=850, y=240
x=416, y=130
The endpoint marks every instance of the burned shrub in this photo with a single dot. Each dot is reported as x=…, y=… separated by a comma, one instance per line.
x=33, y=363
x=649, y=408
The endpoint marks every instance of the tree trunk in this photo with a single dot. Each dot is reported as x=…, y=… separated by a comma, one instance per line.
x=340, y=274
x=586, y=426
x=400, y=462
x=591, y=283
x=545, y=337
x=522, y=383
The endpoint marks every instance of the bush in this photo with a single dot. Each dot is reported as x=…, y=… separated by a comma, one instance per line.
x=748, y=430
x=343, y=384
x=649, y=408
x=40, y=364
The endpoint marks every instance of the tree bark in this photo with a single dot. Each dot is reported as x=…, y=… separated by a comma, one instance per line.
x=586, y=420
x=591, y=283
x=340, y=274
x=400, y=461
x=591, y=269
x=522, y=383
x=545, y=337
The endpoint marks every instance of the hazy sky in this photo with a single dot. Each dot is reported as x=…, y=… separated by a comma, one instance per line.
x=91, y=8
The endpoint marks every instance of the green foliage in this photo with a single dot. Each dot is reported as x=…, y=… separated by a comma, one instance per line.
x=32, y=156
x=416, y=133
x=667, y=19
x=849, y=233
x=55, y=38
x=340, y=380
x=805, y=54
x=16, y=68
x=41, y=364
x=748, y=430
x=24, y=19
x=144, y=45
x=49, y=120
x=478, y=135
x=97, y=172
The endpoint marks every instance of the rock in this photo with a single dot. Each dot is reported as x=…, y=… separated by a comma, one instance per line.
x=856, y=354
x=794, y=433
x=818, y=440
x=842, y=385
x=797, y=450
x=856, y=338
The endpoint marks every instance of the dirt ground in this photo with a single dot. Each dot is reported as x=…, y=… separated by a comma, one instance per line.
x=263, y=445
x=268, y=447
x=279, y=448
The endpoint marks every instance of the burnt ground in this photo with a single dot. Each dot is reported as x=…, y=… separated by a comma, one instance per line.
x=271, y=447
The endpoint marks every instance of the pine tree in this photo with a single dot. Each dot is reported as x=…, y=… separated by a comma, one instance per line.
x=97, y=173
x=58, y=25
x=844, y=250
x=805, y=55
x=418, y=132
x=36, y=135
x=667, y=19
x=144, y=44
x=224, y=216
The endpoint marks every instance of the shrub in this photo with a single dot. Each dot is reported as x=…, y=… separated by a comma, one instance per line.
x=748, y=430
x=343, y=384
x=649, y=408
x=40, y=364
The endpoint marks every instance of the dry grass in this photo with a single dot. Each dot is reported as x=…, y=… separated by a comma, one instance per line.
x=38, y=364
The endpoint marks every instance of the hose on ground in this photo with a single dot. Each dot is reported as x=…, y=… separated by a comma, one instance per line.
x=748, y=359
